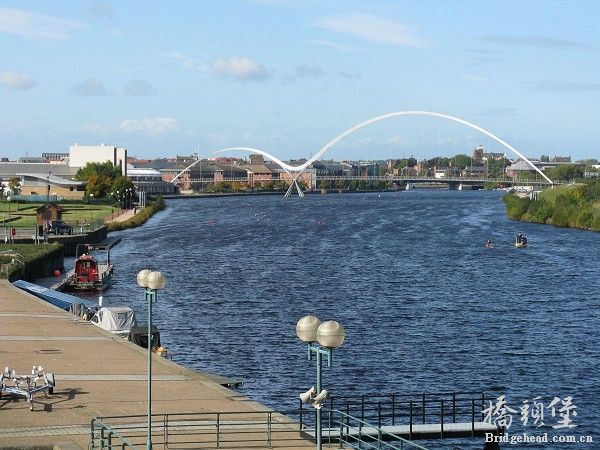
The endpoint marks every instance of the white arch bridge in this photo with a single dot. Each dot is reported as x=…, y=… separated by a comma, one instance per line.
x=295, y=171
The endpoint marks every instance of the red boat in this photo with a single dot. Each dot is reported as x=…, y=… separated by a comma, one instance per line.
x=90, y=274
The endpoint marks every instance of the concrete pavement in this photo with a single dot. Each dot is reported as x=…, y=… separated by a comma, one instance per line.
x=99, y=374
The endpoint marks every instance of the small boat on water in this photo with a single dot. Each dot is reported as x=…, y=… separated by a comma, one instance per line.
x=521, y=241
x=92, y=272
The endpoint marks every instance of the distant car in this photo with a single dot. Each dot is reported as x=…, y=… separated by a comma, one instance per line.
x=59, y=227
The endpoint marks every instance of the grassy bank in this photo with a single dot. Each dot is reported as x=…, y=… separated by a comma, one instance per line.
x=24, y=215
x=29, y=261
x=576, y=206
x=140, y=218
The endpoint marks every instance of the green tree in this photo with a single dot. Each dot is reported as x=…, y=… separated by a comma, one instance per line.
x=103, y=179
x=14, y=184
x=462, y=161
x=564, y=172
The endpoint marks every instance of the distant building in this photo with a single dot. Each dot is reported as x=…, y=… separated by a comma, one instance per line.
x=474, y=171
x=478, y=153
x=439, y=173
x=32, y=159
x=149, y=181
x=259, y=173
x=51, y=186
x=80, y=155
x=256, y=159
x=56, y=158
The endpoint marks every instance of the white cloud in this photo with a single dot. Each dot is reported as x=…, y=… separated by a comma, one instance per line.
x=37, y=26
x=238, y=68
x=90, y=87
x=372, y=29
x=16, y=81
x=154, y=126
x=185, y=61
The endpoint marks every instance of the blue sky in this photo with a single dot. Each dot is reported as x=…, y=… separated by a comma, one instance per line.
x=165, y=78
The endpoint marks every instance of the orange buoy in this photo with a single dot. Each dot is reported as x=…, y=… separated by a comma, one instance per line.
x=57, y=273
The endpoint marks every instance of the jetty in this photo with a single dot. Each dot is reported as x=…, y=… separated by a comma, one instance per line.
x=100, y=391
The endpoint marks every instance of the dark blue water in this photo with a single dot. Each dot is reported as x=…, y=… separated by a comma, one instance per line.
x=425, y=306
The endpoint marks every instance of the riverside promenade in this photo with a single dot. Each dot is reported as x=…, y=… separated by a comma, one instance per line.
x=98, y=374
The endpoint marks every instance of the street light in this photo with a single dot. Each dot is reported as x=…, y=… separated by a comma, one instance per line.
x=151, y=281
x=7, y=228
x=329, y=335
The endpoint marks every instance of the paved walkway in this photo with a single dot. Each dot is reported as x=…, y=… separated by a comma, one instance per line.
x=99, y=374
x=126, y=215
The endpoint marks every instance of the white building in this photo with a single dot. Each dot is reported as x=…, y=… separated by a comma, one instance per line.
x=80, y=155
x=149, y=181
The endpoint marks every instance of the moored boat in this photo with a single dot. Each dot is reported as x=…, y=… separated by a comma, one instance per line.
x=90, y=273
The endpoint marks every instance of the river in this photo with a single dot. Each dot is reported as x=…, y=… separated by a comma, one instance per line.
x=425, y=306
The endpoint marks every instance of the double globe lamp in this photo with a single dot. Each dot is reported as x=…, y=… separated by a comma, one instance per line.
x=152, y=282
x=329, y=335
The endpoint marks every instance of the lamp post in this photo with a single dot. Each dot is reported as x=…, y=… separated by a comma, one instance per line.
x=151, y=282
x=329, y=335
x=8, y=222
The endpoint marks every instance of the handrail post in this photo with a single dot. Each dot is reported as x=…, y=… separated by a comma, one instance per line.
x=301, y=418
x=393, y=409
x=270, y=417
x=341, y=429
x=410, y=426
x=423, y=408
x=347, y=418
x=472, y=417
x=379, y=415
x=362, y=408
x=102, y=436
x=330, y=425
x=165, y=430
x=93, y=440
x=482, y=405
x=442, y=418
x=454, y=407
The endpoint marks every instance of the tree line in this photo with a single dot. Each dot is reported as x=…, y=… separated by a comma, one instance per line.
x=574, y=206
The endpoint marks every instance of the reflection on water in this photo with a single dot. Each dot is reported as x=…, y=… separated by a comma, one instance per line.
x=426, y=307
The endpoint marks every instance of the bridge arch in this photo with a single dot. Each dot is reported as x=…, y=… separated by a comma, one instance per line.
x=276, y=160
x=299, y=169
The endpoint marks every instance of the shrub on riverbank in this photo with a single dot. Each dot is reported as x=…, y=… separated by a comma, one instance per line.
x=573, y=206
x=140, y=218
x=29, y=261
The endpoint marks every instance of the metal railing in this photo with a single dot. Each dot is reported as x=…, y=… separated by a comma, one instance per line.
x=246, y=429
x=201, y=430
x=406, y=409
x=103, y=436
x=357, y=433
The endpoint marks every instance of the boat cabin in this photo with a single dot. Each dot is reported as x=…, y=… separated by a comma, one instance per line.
x=86, y=269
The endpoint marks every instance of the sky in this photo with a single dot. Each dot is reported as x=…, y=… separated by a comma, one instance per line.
x=286, y=76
